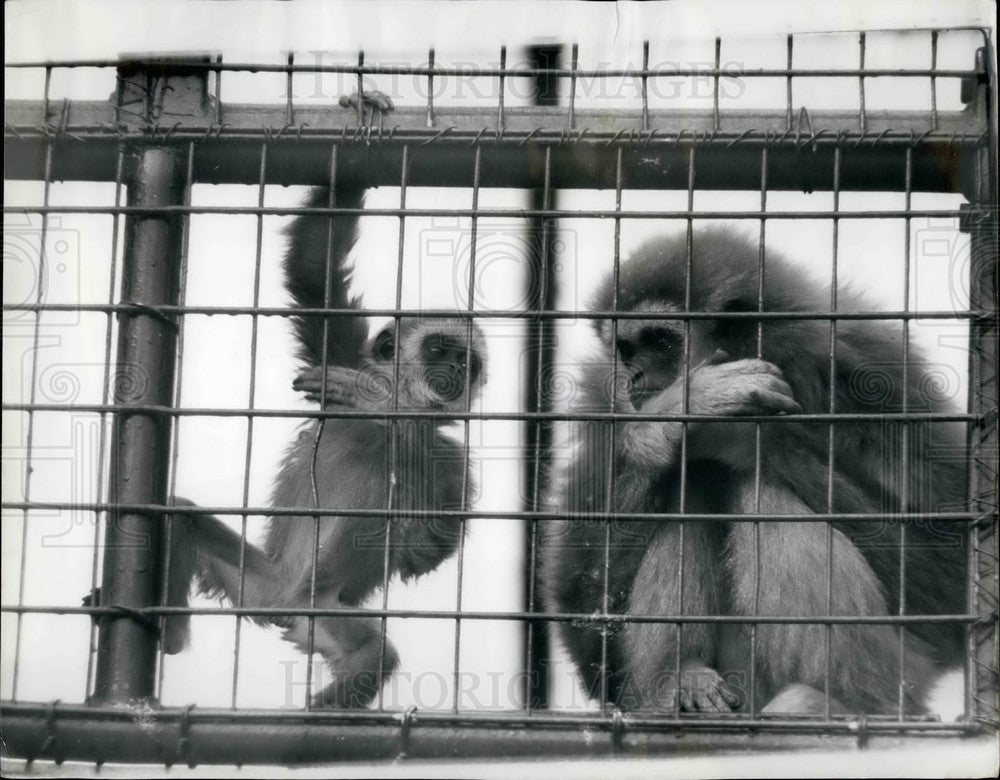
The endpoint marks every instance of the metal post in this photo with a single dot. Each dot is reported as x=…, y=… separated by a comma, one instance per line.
x=149, y=94
x=980, y=222
x=126, y=656
x=540, y=355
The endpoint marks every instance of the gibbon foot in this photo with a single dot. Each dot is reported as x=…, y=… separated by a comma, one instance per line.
x=701, y=689
x=376, y=103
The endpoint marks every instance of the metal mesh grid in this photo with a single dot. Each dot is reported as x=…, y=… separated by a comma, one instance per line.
x=542, y=148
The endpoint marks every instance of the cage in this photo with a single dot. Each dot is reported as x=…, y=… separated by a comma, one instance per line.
x=154, y=329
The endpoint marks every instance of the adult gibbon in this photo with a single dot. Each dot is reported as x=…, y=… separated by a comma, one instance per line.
x=346, y=464
x=776, y=568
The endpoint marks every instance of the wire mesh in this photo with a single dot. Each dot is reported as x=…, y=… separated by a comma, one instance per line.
x=549, y=148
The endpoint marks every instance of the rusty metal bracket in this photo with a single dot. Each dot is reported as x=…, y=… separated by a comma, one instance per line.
x=155, y=91
x=971, y=84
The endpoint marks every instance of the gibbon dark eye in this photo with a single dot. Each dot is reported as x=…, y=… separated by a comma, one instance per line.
x=660, y=340
x=445, y=350
x=626, y=350
x=732, y=329
x=384, y=347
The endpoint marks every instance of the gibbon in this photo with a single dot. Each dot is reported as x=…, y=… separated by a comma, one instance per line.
x=729, y=568
x=441, y=366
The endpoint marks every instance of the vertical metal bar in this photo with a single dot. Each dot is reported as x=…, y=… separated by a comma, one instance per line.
x=126, y=657
x=984, y=593
x=464, y=496
x=394, y=421
x=178, y=389
x=574, y=59
x=430, y=89
x=503, y=82
x=218, y=91
x=331, y=201
x=715, y=85
x=758, y=443
x=102, y=446
x=251, y=401
x=289, y=109
x=831, y=433
x=981, y=702
x=788, y=85
x=609, y=488
x=30, y=424
x=862, y=115
x=361, y=92
x=536, y=654
x=540, y=356
x=686, y=407
x=645, y=86
x=904, y=446
x=934, y=58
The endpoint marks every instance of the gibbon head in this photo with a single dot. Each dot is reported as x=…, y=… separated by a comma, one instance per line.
x=436, y=358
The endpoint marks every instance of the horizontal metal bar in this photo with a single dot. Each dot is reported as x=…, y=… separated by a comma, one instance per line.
x=99, y=118
x=486, y=718
x=503, y=314
x=897, y=137
x=938, y=167
x=266, y=211
x=800, y=156
x=195, y=736
x=471, y=71
x=307, y=513
x=549, y=617
x=359, y=414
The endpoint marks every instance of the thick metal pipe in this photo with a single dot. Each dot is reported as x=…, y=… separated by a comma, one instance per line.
x=539, y=357
x=980, y=186
x=126, y=656
x=798, y=159
x=194, y=736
